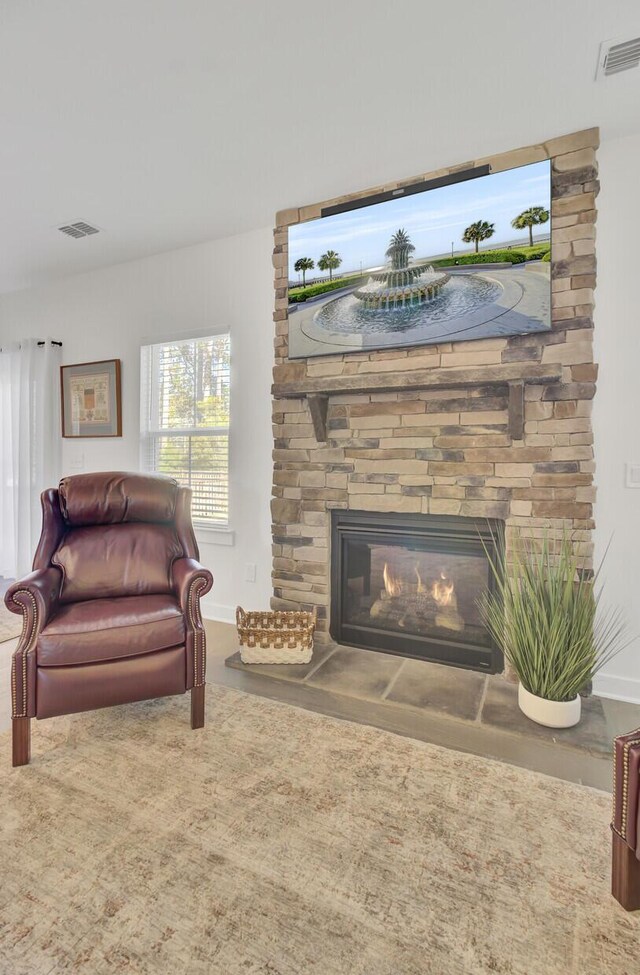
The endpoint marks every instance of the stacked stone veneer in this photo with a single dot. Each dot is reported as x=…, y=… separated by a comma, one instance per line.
x=445, y=451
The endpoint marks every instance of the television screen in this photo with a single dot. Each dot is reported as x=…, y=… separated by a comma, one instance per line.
x=469, y=260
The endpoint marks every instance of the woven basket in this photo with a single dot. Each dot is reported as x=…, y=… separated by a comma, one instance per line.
x=275, y=638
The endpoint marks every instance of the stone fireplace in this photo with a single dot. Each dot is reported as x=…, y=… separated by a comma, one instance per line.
x=466, y=433
x=412, y=585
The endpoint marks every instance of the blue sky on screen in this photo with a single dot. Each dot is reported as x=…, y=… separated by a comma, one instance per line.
x=434, y=220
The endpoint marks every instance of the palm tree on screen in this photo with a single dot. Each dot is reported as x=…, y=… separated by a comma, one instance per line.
x=480, y=230
x=530, y=218
x=329, y=262
x=304, y=264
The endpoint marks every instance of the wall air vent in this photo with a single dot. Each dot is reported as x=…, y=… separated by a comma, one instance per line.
x=78, y=229
x=618, y=55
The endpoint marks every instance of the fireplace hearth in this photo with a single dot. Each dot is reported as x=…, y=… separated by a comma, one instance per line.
x=410, y=585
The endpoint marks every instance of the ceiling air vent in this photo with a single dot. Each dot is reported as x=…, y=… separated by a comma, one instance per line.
x=78, y=229
x=618, y=55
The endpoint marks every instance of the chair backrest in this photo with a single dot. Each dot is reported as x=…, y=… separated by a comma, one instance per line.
x=121, y=534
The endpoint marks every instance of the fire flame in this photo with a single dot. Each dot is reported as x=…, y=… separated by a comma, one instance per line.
x=442, y=590
x=421, y=585
x=392, y=583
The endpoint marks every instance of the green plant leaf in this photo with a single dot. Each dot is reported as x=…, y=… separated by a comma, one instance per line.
x=545, y=613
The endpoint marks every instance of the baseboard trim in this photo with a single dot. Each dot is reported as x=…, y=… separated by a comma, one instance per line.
x=617, y=688
x=218, y=611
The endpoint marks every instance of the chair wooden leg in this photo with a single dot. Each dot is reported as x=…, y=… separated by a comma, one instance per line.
x=625, y=875
x=197, y=706
x=21, y=741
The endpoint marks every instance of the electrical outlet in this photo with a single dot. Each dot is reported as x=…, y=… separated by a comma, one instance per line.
x=250, y=572
x=633, y=475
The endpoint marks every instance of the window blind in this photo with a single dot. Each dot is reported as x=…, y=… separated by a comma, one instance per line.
x=185, y=419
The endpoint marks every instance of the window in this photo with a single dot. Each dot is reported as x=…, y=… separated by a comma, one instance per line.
x=185, y=420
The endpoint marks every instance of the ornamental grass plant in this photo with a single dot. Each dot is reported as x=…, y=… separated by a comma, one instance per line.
x=545, y=612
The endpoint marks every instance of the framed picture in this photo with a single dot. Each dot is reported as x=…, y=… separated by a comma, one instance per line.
x=91, y=399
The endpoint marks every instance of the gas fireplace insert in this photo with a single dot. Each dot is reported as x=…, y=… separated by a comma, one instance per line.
x=411, y=584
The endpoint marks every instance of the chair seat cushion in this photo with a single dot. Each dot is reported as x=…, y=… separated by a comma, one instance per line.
x=107, y=629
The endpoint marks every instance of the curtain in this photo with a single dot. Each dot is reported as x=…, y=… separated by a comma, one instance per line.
x=30, y=446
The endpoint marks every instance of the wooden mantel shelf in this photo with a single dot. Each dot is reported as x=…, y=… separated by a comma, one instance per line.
x=395, y=382
x=515, y=375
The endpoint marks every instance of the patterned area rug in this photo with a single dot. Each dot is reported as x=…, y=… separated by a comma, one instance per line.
x=10, y=624
x=282, y=842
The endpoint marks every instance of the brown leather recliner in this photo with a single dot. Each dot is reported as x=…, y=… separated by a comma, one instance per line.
x=111, y=611
x=625, y=827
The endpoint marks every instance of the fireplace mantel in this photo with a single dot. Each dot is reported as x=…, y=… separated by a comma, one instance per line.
x=516, y=376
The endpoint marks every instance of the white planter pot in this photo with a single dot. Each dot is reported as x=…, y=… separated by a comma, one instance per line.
x=551, y=714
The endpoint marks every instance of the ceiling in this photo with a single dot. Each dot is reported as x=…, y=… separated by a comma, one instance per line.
x=169, y=122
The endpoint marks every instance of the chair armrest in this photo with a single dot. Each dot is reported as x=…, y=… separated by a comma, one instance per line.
x=36, y=597
x=36, y=594
x=626, y=793
x=190, y=581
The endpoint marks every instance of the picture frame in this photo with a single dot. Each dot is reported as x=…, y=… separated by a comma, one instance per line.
x=91, y=399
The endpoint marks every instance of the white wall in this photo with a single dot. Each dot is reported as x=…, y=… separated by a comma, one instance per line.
x=108, y=313
x=617, y=402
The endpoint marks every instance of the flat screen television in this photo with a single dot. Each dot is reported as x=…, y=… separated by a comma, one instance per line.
x=443, y=263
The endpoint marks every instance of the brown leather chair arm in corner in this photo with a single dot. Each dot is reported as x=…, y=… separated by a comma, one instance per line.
x=626, y=795
x=190, y=581
x=36, y=597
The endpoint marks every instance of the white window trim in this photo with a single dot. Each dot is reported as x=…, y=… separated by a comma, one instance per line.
x=176, y=338
x=206, y=532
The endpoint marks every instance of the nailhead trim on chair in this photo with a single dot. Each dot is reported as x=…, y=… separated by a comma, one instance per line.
x=622, y=832
x=195, y=619
x=23, y=652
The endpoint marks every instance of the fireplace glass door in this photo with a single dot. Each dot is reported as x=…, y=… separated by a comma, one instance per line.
x=412, y=585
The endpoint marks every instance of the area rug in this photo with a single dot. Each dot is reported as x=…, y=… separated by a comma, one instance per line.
x=10, y=624
x=282, y=842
